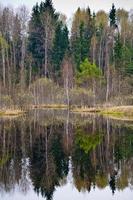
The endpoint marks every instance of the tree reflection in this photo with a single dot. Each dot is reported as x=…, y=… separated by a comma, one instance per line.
x=37, y=150
x=49, y=163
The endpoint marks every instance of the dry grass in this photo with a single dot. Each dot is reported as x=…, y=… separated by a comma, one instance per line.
x=10, y=112
x=86, y=109
x=50, y=106
x=125, y=112
x=119, y=112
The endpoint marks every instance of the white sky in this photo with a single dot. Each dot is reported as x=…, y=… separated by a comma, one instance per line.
x=68, y=7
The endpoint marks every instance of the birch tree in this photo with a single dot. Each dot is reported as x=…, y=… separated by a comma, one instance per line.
x=23, y=16
x=4, y=47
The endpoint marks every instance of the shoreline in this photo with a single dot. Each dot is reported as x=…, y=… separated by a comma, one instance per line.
x=116, y=112
x=49, y=106
x=11, y=112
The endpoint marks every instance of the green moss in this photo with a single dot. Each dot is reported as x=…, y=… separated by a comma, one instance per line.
x=87, y=142
x=4, y=160
x=113, y=113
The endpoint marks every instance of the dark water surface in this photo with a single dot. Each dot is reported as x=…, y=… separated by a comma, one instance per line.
x=56, y=155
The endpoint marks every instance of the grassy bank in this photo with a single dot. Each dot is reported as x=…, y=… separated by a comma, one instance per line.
x=15, y=112
x=50, y=106
x=11, y=112
x=121, y=112
x=86, y=109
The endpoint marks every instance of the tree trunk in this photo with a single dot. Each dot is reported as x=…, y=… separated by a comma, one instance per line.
x=9, y=72
x=107, y=73
x=30, y=75
x=94, y=92
x=67, y=92
x=4, y=67
x=14, y=66
x=46, y=51
x=100, y=50
x=22, y=64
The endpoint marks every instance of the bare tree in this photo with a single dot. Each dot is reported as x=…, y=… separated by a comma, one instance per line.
x=23, y=16
x=67, y=73
x=4, y=47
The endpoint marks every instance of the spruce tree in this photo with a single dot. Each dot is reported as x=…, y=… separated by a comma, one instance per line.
x=41, y=34
x=118, y=52
x=80, y=46
x=60, y=45
x=112, y=16
x=35, y=44
x=82, y=31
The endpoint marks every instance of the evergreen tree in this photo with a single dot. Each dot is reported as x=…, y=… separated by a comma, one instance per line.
x=60, y=45
x=81, y=35
x=123, y=57
x=127, y=59
x=35, y=46
x=112, y=16
x=118, y=52
x=41, y=34
x=88, y=71
x=80, y=46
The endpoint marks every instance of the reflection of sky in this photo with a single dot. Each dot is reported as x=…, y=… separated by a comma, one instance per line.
x=68, y=192
x=69, y=6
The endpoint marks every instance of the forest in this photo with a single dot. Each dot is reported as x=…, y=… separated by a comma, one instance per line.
x=66, y=102
x=44, y=60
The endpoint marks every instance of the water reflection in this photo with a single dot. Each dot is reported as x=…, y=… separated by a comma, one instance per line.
x=38, y=150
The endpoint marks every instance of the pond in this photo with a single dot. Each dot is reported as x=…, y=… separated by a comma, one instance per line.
x=55, y=155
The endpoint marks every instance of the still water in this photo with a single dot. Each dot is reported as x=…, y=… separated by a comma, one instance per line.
x=57, y=155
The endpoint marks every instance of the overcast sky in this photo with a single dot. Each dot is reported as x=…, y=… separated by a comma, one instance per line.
x=69, y=6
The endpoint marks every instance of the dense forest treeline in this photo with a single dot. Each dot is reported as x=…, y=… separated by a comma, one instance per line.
x=42, y=61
